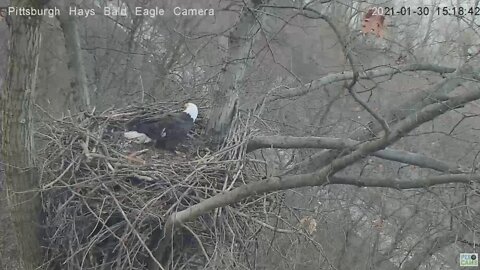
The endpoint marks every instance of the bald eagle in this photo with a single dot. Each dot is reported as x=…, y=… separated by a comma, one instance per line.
x=166, y=131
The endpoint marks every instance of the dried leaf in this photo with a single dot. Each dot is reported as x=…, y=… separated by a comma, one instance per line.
x=373, y=23
x=378, y=224
x=309, y=224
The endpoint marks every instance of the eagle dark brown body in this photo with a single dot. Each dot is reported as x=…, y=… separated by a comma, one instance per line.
x=166, y=131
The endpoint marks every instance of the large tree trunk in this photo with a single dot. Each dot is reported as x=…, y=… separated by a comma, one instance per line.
x=225, y=99
x=9, y=258
x=17, y=142
x=80, y=95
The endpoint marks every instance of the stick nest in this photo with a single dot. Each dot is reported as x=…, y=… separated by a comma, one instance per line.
x=105, y=199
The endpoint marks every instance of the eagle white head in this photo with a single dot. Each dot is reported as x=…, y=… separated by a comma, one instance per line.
x=192, y=110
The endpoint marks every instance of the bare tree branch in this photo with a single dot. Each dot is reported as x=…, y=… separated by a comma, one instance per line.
x=317, y=178
x=405, y=184
x=354, y=64
x=287, y=142
x=321, y=176
x=348, y=75
x=429, y=248
x=420, y=100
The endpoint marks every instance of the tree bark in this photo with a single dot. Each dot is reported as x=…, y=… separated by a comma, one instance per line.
x=21, y=181
x=9, y=258
x=80, y=95
x=225, y=99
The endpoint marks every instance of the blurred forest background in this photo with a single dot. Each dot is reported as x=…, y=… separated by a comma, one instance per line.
x=332, y=99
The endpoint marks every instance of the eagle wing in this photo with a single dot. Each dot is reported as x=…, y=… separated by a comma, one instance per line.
x=150, y=126
x=173, y=131
x=167, y=130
